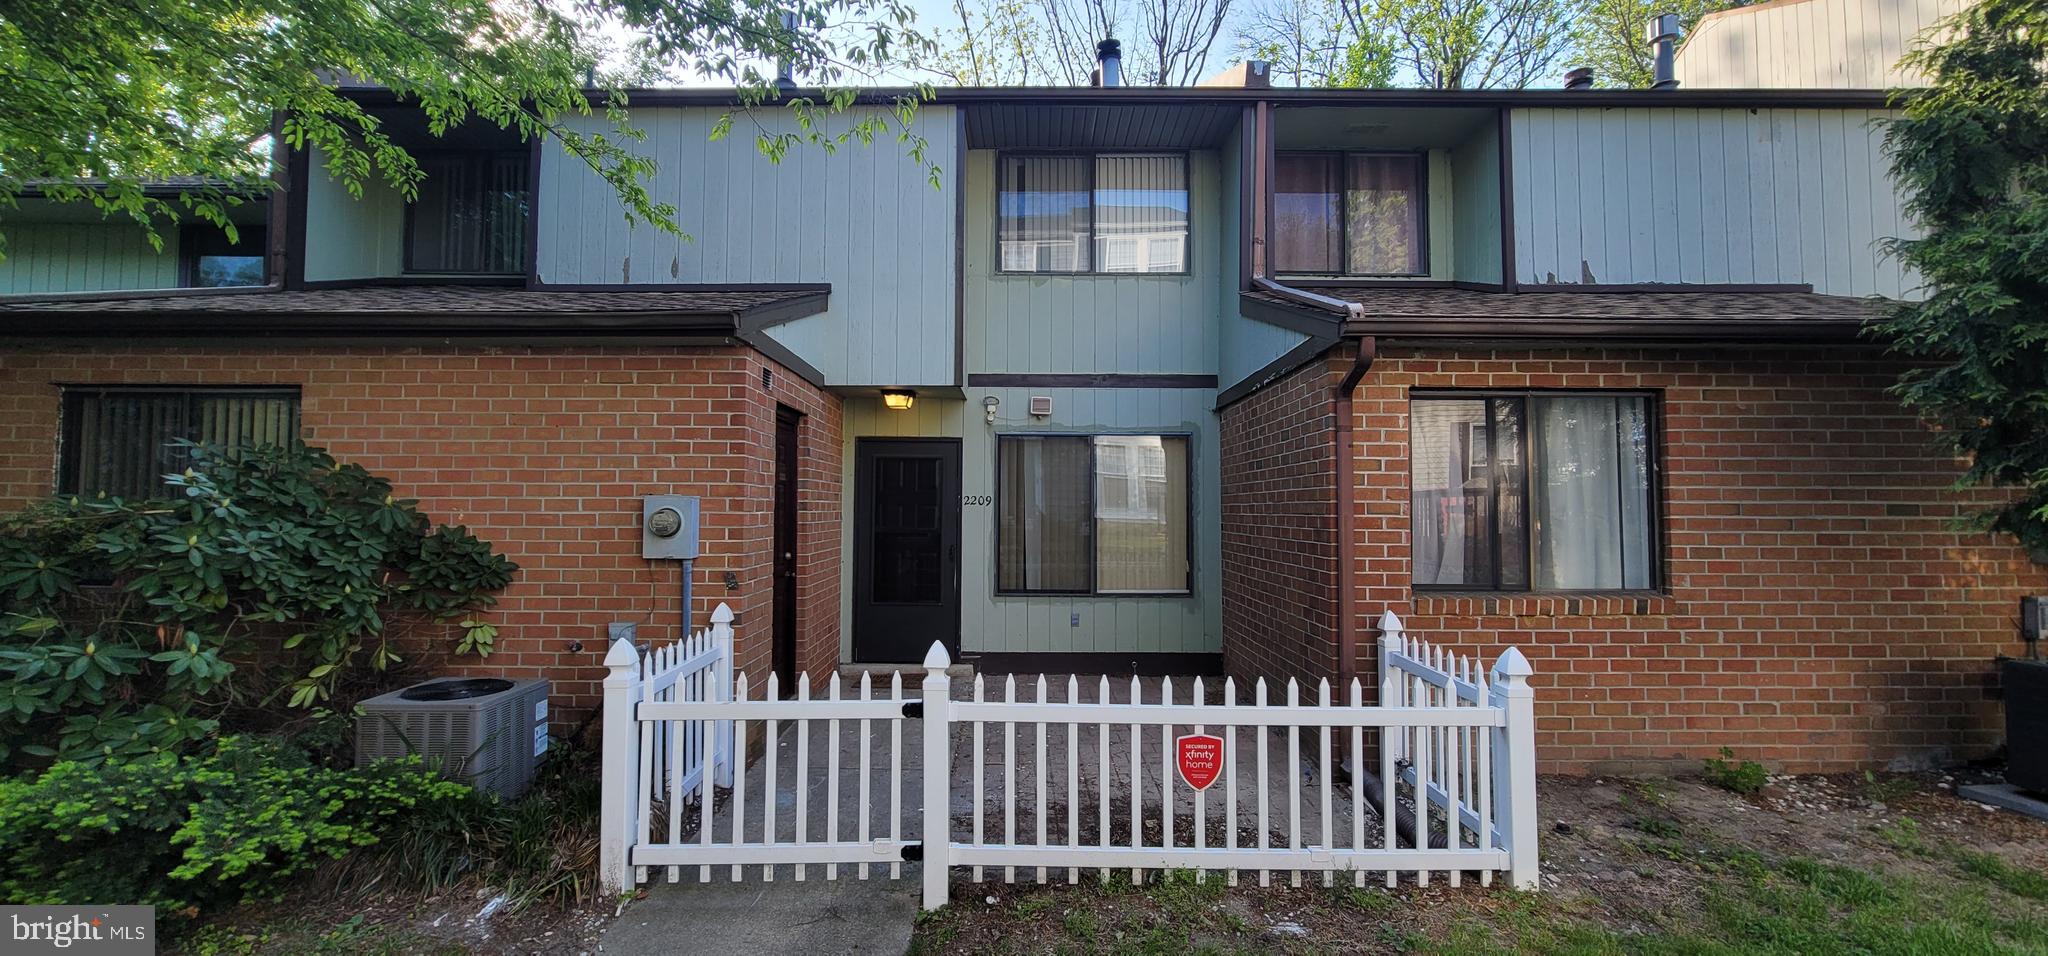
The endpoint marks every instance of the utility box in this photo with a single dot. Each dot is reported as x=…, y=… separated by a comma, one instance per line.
x=668, y=527
x=488, y=732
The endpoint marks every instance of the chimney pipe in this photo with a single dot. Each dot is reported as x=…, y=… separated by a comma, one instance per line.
x=1663, y=34
x=1580, y=78
x=1109, y=63
x=785, y=74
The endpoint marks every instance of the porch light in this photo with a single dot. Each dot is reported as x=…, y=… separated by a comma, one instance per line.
x=898, y=399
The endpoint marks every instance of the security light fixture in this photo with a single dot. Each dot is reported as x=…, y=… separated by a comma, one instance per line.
x=898, y=399
x=988, y=406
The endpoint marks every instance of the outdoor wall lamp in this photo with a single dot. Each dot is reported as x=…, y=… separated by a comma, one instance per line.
x=988, y=406
x=898, y=399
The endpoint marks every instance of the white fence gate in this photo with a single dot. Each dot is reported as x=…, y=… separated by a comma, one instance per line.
x=1087, y=780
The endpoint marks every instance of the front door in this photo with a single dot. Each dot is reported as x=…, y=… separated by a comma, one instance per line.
x=784, y=651
x=906, y=579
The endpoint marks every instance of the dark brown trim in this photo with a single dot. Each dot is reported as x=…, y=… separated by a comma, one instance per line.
x=686, y=287
x=768, y=316
x=298, y=178
x=377, y=282
x=960, y=246
x=1613, y=331
x=1507, y=199
x=1128, y=95
x=1144, y=664
x=1343, y=473
x=278, y=214
x=1330, y=283
x=780, y=354
x=1273, y=371
x=1701, y=287
x=152, y=325
x=1307, y=321
x=533, y=157
x=1088, y=380
x=1247, y=188
x=110, y=296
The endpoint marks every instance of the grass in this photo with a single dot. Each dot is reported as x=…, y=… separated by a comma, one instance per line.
x=354, y=935
x=1792, y=906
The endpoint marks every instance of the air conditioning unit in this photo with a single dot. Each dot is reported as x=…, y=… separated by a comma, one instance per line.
x=488, y=732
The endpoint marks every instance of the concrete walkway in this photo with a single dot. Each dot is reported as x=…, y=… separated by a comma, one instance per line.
x=769, y=909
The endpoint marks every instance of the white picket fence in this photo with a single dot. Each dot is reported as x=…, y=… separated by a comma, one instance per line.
x=1096, y=789
x=671, y=760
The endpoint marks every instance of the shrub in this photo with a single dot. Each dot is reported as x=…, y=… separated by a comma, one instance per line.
x=1746, y=777
x=185, y=832
x=126, y=627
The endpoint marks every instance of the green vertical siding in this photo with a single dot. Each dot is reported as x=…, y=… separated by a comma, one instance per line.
x=864, y=218
x=349, y=237
x=85, y=257
x=1475, y=207
x=1124, y=323
x=1109, y=624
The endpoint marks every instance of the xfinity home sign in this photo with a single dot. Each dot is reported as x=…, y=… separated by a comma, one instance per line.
x=81, y=930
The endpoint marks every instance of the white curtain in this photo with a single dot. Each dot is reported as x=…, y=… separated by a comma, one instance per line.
x=1591, y=509
x=1141, y=513
x=1141, y=213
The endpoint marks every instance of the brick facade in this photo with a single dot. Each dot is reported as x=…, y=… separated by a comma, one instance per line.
x=1280, y=569
x=1820, y=613
x=544, y=452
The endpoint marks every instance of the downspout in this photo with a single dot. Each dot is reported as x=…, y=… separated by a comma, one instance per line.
x=1341, y=405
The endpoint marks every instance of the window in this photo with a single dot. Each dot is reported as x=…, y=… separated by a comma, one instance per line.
x=1104, y=213
x=1349, y=214
x=211, y=261
x=121, y=440
x=1532, y=492
x=1104, y=514
x=471, y=214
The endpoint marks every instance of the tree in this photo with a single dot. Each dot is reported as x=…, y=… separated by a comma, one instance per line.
x=1315, y=43
x=1471, y=44
x=128, y=93
x=1612, y=38
x=267, y=573
x=1971, y=156
x=1052, y=42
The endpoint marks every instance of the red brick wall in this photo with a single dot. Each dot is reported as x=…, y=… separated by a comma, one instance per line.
x=1821, y=613
x=545, y=453
x=1279, y=527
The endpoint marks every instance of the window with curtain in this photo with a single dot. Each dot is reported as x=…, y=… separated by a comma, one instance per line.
x=1532, y=492
x=1349, y=214
x=470, y=216
x=1122, y=212
x=1102, y=514
x=123, y=441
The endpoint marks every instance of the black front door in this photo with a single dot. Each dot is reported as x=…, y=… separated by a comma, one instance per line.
x=784, y=651
x=906, y=578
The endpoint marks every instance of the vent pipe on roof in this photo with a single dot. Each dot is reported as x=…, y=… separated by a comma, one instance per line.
x=1109, y=63
x=785, y=73
x=1580, y=78
x=1663, y=34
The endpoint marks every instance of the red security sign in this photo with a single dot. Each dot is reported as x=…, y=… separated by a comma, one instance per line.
x=1200, y=757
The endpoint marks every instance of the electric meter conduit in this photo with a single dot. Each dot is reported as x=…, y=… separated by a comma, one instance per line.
x=668, y=532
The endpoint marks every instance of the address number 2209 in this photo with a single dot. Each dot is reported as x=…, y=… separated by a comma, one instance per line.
x=978, y=500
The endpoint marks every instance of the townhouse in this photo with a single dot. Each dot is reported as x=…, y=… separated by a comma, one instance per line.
x=1151, y=380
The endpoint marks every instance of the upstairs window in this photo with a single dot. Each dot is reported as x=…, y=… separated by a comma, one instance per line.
x=211, y=261
x=123, y=441
x=1107, y=213
x=1104, y=514
x=1357, y=214
x=470, y=217
x=1536, y=492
